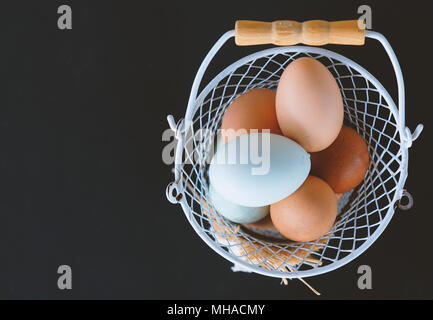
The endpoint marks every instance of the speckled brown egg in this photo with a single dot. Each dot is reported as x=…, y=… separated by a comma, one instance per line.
x=309, y=105
x=254, y=109
x=308, y=213
x=343, y=164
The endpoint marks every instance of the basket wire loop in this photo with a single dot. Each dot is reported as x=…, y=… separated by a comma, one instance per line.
x=368, y=108
x=409, y=204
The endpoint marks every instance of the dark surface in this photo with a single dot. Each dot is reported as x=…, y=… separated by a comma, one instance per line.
x=82, y=181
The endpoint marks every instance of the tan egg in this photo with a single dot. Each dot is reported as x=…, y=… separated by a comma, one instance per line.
x=254, y=109
x=308, y=213
x=344, y=163
x=309, y=105
x=338, y=196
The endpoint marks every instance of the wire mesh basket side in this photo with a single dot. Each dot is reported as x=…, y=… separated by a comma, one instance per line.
x=368, y=109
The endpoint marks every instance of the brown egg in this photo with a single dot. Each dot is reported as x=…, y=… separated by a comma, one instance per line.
x=309, y=105
x=308, y=213
x=338, y=196
x=343, y=165
x=254, y=109
x=265, y=223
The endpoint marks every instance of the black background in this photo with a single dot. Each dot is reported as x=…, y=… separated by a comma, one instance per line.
x=82, y=180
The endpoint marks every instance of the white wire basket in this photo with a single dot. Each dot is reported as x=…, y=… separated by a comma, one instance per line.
x=368, y=108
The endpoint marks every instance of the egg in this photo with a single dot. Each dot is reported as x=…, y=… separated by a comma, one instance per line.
x=308, y=213
x=309, y=105
x=343, y=164
x=254, y=109
x=258, y=169
x=235, y=212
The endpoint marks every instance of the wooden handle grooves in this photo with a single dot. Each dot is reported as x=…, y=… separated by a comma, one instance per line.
x=287, y=32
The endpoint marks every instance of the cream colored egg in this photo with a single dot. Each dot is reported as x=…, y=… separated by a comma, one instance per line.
x=309, y=105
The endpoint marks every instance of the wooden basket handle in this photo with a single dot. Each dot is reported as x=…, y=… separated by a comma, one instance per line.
x=287, y=32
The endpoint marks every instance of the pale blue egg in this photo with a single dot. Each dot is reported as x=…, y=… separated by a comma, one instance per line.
x=258, y=169
x=235, y=212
